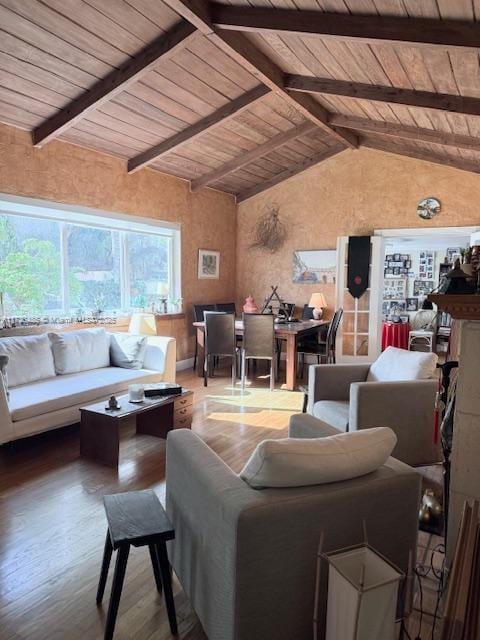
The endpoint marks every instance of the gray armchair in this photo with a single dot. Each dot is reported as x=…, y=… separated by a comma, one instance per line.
x=246, y=558
x=341, y=396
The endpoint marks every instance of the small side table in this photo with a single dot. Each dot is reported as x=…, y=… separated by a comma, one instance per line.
x=136, y=518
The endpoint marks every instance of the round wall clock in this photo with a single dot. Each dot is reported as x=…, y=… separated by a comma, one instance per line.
x=428, y=208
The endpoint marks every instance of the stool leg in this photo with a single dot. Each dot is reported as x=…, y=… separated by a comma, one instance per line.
x=119, y=575
x=156, y=566
x=167, y=585
x=107, y=554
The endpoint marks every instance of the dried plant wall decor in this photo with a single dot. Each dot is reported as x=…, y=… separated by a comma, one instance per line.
x=270, y=232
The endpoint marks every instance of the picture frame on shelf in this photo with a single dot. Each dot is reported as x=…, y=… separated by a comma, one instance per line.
x=208, y=264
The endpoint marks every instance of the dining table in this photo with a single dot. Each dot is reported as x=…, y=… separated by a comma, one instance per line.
x=290, y=332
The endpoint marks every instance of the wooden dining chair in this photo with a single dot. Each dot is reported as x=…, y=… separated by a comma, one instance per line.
x=323, y=349
x=219, y=342
x=226, y=307
x=258, y=343
x=198, y=311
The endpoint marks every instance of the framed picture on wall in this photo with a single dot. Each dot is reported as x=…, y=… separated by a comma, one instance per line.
x=422, y=287
x=312, y=267
x=412, y=304
x=208, y=264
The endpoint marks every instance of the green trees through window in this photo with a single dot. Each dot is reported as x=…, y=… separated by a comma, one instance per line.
x=50, y=267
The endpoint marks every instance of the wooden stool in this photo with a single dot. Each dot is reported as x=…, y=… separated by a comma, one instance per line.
x=136, y=518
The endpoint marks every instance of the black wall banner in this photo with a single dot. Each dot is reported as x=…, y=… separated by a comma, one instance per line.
x=358, y=264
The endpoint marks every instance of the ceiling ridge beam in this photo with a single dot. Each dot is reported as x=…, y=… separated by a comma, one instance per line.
x=451, y=34
x=238, y=46
x=116, y=81
x=455, y=163
x=406, y=132
x=250, y=156
x=290, y=172
x=379, y=93
x=190, y=133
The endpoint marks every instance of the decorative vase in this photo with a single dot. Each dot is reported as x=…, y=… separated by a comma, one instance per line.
x=250, y=305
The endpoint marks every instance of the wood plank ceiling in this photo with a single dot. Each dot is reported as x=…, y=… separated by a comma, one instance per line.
x=241, y=96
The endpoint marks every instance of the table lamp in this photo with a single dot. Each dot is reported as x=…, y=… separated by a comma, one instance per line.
x=143, y=323
x=318, y=302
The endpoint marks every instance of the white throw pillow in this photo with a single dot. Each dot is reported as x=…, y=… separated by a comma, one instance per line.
x=81, y=350
x=297, y=462
x=127, y=350
x=400, y=364
x=30, y=358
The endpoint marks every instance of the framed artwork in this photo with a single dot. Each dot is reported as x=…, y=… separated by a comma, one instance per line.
x=394, y=289
x=453, y=253
x=315, y=267
x=208, y=264
x=422, y=287
x=412, y=304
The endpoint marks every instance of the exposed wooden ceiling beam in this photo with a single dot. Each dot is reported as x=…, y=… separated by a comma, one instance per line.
x=406, y=132
x=115, y=82
x=239, y=47
x=363, y=28
x=189, y=134
x=441, y=159
x=291, y=171
x=377, y=93
x=250, y=156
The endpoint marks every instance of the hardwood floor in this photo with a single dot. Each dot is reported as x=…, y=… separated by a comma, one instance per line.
x=52, y=522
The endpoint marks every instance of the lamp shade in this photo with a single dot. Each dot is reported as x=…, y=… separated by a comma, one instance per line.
x=143, y=323
x=362, y=596
x=317, y=301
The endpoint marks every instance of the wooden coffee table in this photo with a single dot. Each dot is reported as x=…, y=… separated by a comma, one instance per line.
x=100, y=427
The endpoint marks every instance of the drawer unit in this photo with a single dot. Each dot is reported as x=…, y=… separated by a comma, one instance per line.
x=183, y=411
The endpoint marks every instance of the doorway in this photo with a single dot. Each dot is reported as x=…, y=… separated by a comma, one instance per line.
x=415, y=263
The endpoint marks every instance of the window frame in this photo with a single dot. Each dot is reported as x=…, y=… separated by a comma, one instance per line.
x=95, y=218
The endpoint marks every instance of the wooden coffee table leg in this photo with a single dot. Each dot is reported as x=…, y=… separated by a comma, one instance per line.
x=99, y=438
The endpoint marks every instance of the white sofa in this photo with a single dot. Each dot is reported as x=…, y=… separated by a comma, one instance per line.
x=48, y=393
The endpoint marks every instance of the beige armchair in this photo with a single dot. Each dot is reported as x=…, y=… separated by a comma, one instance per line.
x=246, y=558
x=342, y=396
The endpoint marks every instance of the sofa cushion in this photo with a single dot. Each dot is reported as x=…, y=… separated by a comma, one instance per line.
x=81, y=350
x=30, y=358
x=127, y=350
x=295, y=462
x=400, y=364
x=75, y=388
x=333, y=412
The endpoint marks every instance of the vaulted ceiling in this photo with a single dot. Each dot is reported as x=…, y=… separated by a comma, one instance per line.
x=241, y=96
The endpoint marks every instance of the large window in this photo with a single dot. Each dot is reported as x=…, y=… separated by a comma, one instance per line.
x=60, y=261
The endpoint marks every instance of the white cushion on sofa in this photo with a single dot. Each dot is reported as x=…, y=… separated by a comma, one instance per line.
x=81, y=350
x=73, y=389
x=400, y=364
x=296, y=462
x=30, y=358
x=127, y=350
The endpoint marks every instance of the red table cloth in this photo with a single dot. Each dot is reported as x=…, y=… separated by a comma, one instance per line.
x=395, y=334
